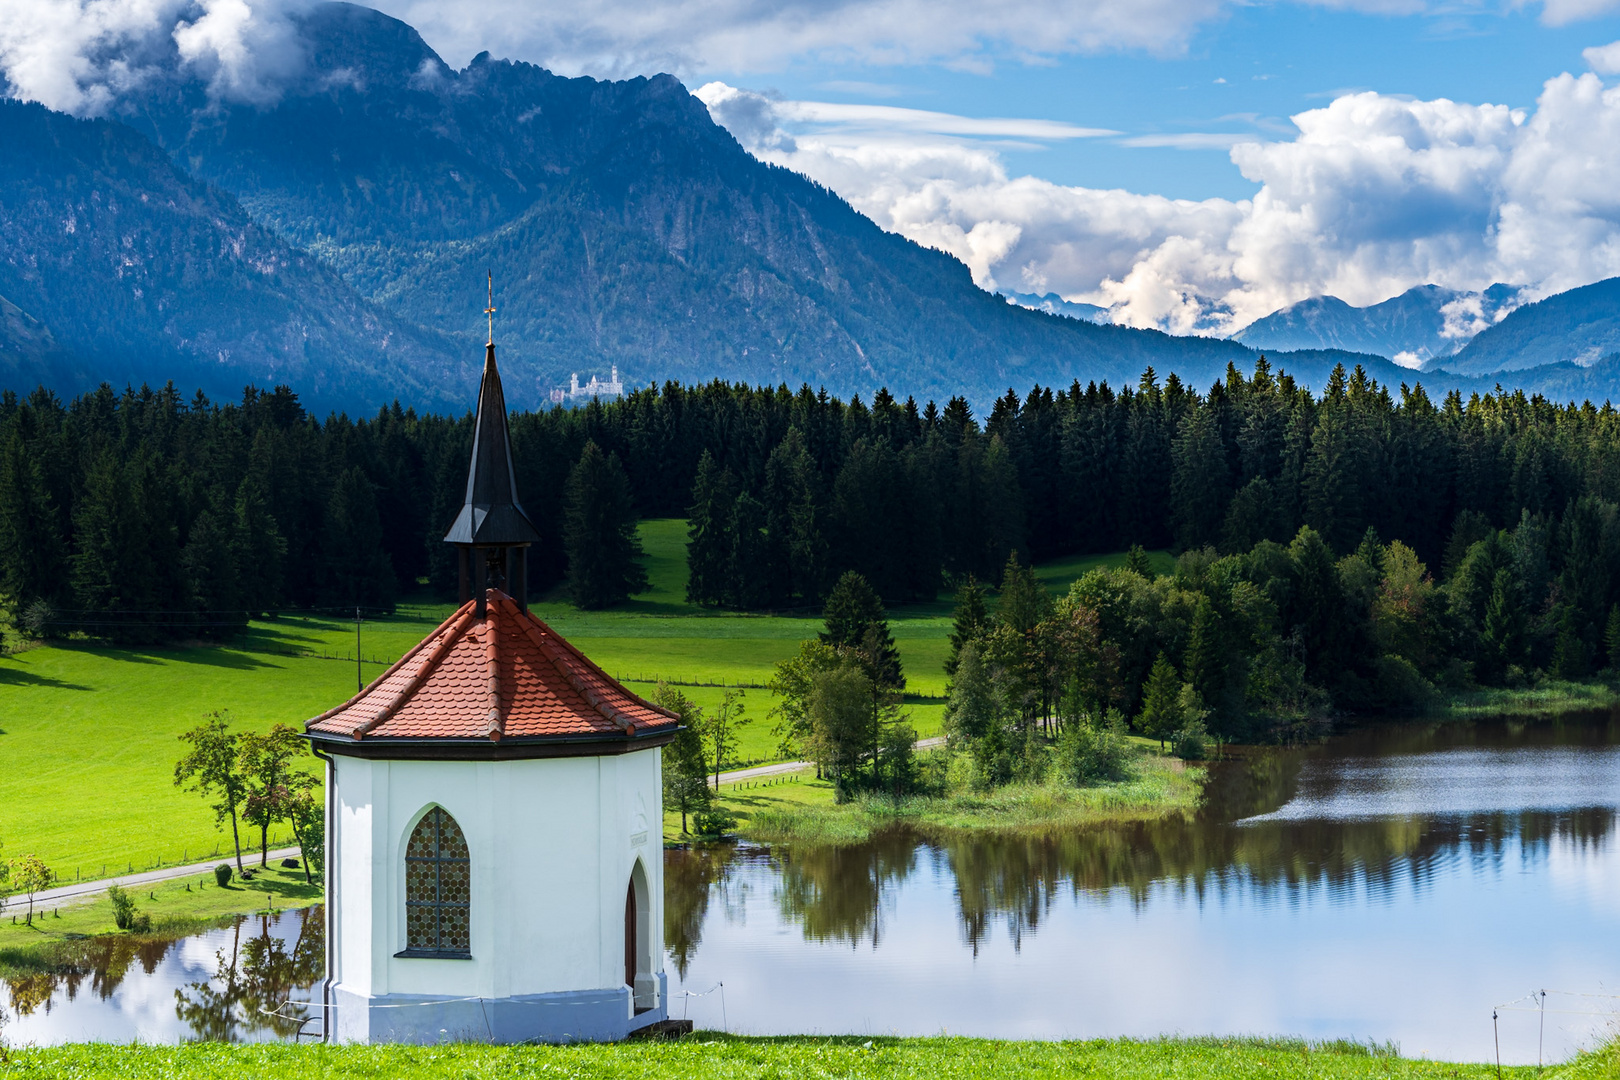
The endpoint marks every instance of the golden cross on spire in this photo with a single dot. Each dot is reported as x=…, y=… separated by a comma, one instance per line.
x=490, y=311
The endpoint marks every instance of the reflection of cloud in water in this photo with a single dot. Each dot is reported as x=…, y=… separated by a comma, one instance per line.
x=1462, y=781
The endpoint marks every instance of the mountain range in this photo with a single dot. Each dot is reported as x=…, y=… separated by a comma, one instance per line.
x=338, y=240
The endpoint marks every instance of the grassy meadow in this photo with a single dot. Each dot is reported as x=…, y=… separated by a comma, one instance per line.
x=798, y=807
x=722, y=1057
x=89, y=732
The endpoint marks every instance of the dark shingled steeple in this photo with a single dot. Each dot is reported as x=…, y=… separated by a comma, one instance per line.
x=492, y=530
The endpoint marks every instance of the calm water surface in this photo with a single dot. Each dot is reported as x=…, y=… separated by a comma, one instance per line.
x=1393, y=885
x=220, y=985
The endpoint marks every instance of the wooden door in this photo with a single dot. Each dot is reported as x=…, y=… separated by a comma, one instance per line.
x=630, y=937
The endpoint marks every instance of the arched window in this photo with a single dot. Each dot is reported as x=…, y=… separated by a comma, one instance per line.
x=438, y=889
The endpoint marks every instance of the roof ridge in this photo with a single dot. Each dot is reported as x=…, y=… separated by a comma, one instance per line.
x=494, y=721
x=441, y=648
x=547, y=644
x=410, y=654
x=560, y=642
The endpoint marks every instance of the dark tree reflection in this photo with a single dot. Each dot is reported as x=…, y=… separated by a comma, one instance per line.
x=254, y=980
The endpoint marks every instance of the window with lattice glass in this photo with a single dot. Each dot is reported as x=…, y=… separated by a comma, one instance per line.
x=438, y=890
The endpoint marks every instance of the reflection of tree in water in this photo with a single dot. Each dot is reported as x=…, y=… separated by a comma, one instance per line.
x=252, y=980
x=105, y=961
x=836, y=893
x=840, y=893
x=691, y=877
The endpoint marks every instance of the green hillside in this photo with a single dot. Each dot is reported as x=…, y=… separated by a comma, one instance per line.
x=92, y=729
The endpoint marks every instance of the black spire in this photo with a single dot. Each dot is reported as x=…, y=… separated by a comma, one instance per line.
x=492, y=522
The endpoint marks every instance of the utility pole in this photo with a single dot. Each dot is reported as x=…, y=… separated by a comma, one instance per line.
x=359, y=683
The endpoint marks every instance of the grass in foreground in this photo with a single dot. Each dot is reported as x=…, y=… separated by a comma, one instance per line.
x=175, y=910
x=800, y=808
x=722, y=1056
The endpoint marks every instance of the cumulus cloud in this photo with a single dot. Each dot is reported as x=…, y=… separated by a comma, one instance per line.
x=79, y=56
x=1603, y=59
x=1373, y=194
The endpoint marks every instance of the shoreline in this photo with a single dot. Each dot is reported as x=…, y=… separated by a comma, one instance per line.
x=63, y=932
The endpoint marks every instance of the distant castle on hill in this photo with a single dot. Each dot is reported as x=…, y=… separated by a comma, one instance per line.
x=596, y=388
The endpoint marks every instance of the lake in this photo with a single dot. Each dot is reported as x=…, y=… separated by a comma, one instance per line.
x=1392, y=885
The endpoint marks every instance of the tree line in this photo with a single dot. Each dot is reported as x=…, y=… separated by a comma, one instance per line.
x=148, y=513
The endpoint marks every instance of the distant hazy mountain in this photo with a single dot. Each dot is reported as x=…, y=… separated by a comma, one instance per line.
x=1579, y=327
x=114, y=265
x=1053, y=304
x=1416, y=326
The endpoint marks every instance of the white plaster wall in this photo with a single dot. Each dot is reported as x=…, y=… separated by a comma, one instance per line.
x=552, y=843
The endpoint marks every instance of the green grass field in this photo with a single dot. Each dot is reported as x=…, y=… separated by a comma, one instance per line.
x=89, y=732
x=724, y=1057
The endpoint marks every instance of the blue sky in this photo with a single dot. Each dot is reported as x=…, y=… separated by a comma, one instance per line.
x=1275, y=60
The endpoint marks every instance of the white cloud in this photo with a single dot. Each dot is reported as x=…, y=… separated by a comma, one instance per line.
x=80, y=55
x=1603, y=59
x=1372, y=195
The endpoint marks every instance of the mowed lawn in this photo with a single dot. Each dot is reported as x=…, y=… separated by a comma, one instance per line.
x=89, y=734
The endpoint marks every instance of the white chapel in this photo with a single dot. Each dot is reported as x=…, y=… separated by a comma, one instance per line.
x=494, y=815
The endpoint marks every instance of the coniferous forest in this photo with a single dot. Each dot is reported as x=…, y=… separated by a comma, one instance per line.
x=1361, y=544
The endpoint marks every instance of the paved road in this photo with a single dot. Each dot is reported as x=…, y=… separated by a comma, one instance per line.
x=51, y=897
x=794, y=766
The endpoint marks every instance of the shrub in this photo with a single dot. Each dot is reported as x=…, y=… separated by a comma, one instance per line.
x=715, y=821
x=123, y=914
x=1191, y=742
x=1090, y=753
x=222, y=874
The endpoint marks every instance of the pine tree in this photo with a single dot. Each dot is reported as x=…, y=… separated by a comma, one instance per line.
x=599, y=533
x=968, y=623
x=211, y=571
x=358, y=570
x=1161, y=702
x=32, y=566
x=852, y=606
x=709, y=543
x=1502, y=637
x=1569, y=659
x=258, y=546
x=1201, y=486
x=1136, y=561
x=1024, y=602
x=1205, y=660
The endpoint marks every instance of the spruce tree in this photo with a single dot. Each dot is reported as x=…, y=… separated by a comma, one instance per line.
x=599, y=533
x=1161, y=702
x=359, y=573
x=258, y=546
x=32, y=567
x=709, y=541
x=1611, y=638
x=1502, y=637
x=1024, y=602
x=968, y=623
x=211, y=571
x=1205, y=660
x=1136, y=561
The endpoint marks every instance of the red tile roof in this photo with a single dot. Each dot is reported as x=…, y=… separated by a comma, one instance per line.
x=507, y=676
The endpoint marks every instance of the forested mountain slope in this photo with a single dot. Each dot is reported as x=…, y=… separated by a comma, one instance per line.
x=115, y=265
x=1581, y=326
